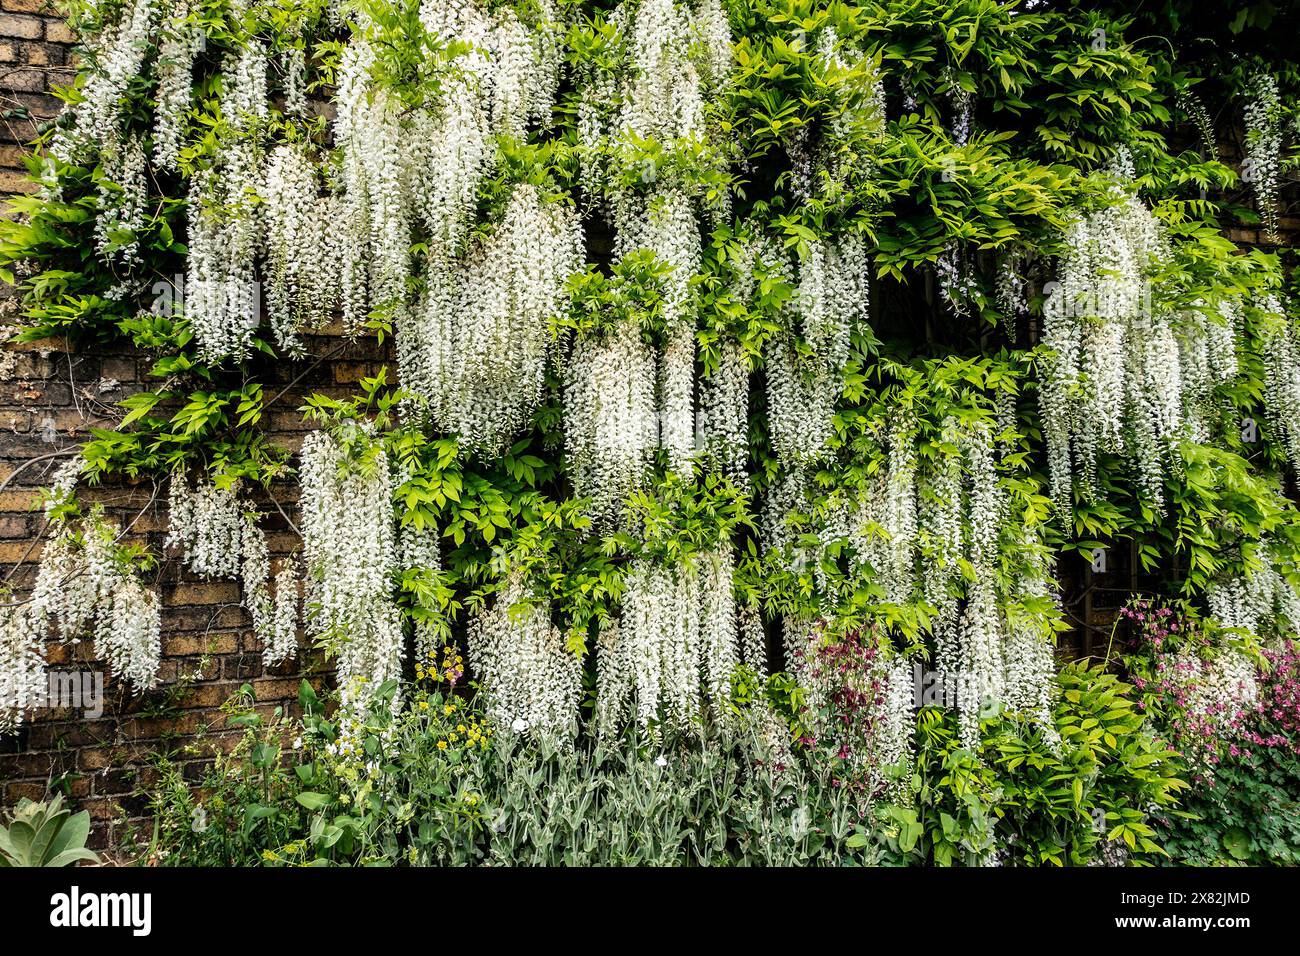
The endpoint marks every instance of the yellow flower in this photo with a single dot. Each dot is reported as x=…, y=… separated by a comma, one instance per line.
x=442, y=745
x=424, y=705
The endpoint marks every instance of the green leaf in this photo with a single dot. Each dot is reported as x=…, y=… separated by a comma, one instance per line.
x=314, y=801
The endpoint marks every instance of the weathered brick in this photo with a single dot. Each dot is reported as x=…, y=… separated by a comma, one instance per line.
x=275, y=689
x=11, y=552
x=184, y=645
x=121, y=368
x=20, y=26
x=24, y=79
x=11, y=793
x=12, y=181
x=97, y=758
x=45, y=54
x=153, y=728
x=14, y=526
x=102, y=808
x=348, y=373
x=32, y=6
x=56, y=31
x=207, y=592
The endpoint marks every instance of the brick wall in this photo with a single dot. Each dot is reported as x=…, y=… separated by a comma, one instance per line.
x=35, y=55
x=49, y=399
x=48, y=404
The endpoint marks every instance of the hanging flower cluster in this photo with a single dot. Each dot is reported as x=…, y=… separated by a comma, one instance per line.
x=479, y=348
x=674, y=646
x=1193, y=107
x=407, y=166
x=724, y=411
x=281, y=643
x=962, y=103
x=958, y=282
x=300, y=245
x=532, y=680
x=832, y=300
x=835, y=154
x=610, y=419
x=182, y=39
x=663, y=99
x=1281, y=375
x=85, y=587
x=24, y=628
x=399, y=168
x=1262, y=602
x=222, y=297
x=665, y=224
x=970, y=642
x=207, y=523
x=223, y=300
x=123, y=193
x=885, y=527
x=670, y=58
x=114, y=59
x=666, y=59
x=220, y=538
x=946, y=535
x=349, y=549
x=1208, y=341
x=419, y=551
x=1111, y=378
x=1263, y=164
x=23, y=685
x=514, y=66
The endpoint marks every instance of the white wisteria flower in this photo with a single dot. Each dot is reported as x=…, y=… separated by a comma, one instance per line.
x=478, y=349
x=84, y=588
x=350, y=553
x=115, y=58
x=1262, y=168
x=1113, y=376
x=673, y=648
x=533, y=681
x=610, y=419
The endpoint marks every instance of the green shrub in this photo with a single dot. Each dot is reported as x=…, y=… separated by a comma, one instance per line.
x=1247, y=813
x=1031, y=800
x=428, y=785
x=45, y=834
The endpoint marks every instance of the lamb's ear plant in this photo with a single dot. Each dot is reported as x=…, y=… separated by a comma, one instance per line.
x=45, y=833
